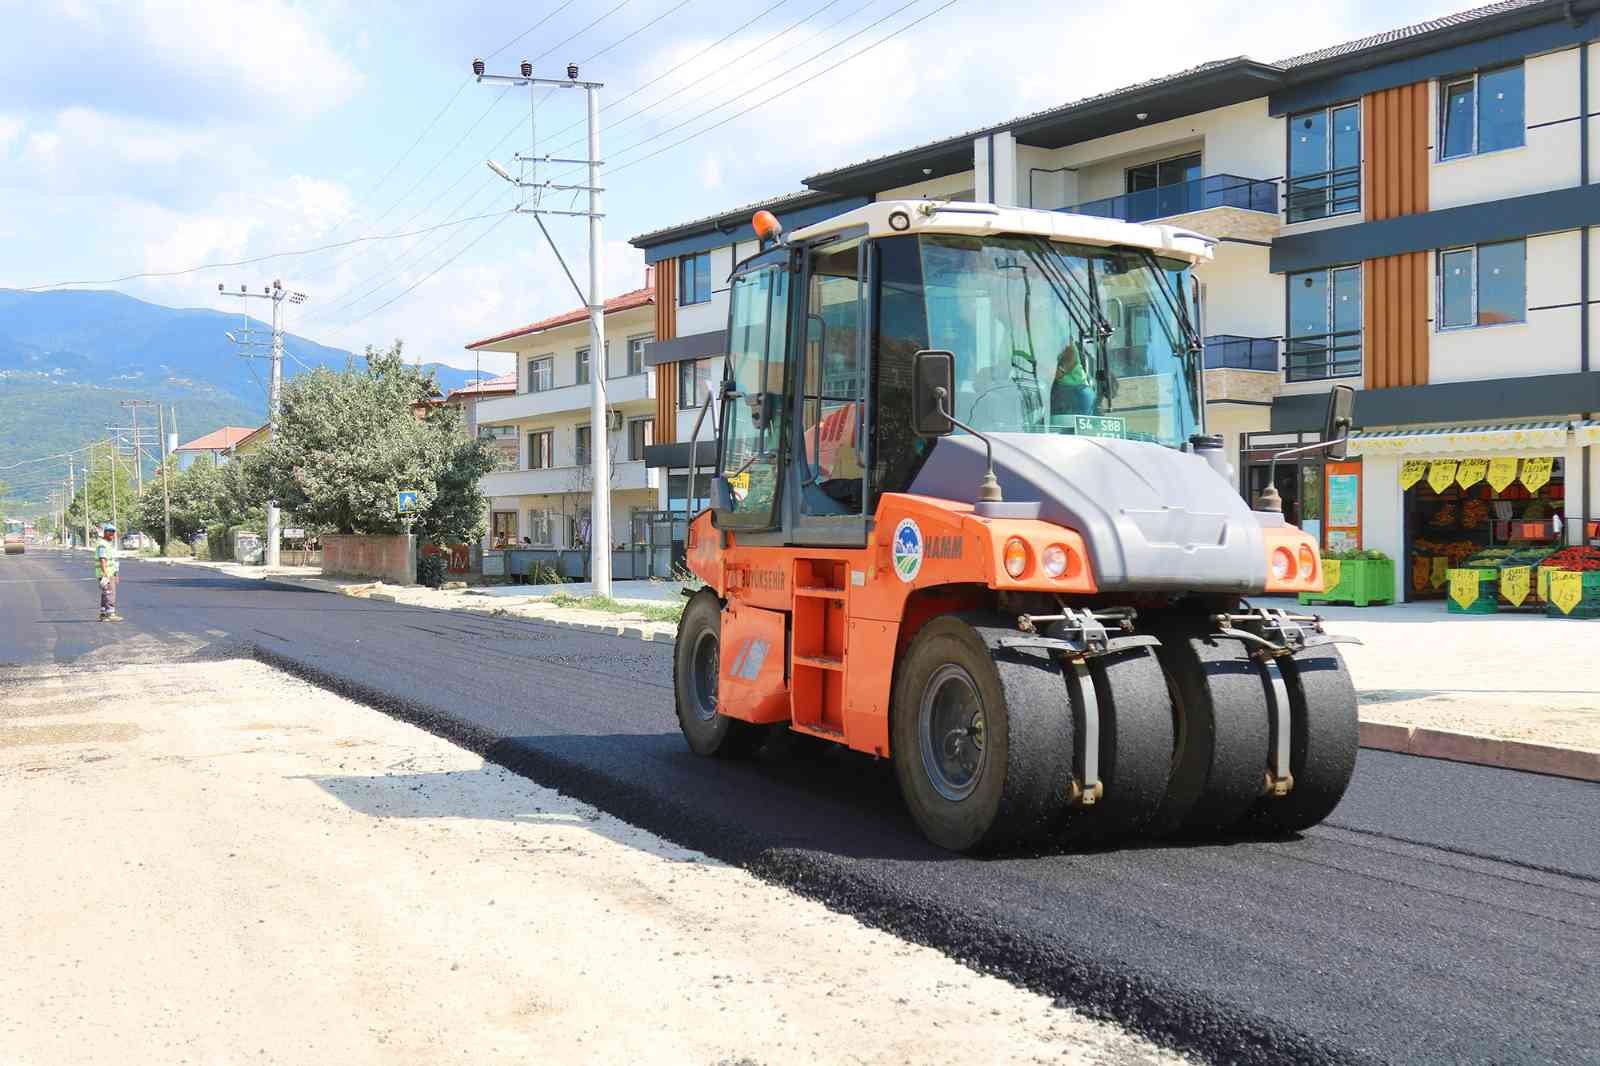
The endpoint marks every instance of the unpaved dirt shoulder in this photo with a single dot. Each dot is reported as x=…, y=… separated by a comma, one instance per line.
x=215, y=862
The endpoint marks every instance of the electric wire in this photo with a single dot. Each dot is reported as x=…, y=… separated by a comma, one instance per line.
x=245, y=262
x=408, y=289
x=706, y=86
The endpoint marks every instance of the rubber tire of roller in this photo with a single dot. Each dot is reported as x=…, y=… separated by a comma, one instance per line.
x=721, y=736
x=1221, y=758
x=1021, y=793
x=1325, y=731
x=1136, y=739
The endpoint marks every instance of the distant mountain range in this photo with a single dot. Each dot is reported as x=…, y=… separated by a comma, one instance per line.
x=68, y=358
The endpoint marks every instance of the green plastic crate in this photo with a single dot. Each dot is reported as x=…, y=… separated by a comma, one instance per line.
x=1588, y=606
x=1362, y=582
x=1488, y=601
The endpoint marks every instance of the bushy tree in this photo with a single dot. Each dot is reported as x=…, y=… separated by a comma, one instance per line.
x=347, y=443
x=196, y=496
x=105, y=467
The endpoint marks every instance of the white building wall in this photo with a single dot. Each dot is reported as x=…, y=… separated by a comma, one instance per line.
x=1547, y=160
x=1546, y=343
x=1240, y=139
x=1239, y=294
x=950, y=186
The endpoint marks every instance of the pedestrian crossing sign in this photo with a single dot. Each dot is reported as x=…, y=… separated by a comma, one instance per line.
x=408, y=501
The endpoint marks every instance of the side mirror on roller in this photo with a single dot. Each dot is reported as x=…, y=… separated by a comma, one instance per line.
x=933, y=387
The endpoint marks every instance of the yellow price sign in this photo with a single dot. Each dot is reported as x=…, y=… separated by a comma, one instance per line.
x=1544, y=583
x=1411, y=472
x=1471, y=471
x=1441, y=567
x=1441, y=474
x=1536, y=472
x=1332, y=571
x=740, y=483
x=1502, y=472
x=1464, y=587
x=1566, y=589
x=1514, y=582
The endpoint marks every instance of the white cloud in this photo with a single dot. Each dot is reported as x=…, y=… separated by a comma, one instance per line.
x=167, y=58
x=10, y=130
x=711, y=172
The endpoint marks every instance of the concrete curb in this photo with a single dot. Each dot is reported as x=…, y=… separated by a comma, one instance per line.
x=1481, y=750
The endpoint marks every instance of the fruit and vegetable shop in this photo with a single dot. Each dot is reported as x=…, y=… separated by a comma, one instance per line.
x=1488, y=518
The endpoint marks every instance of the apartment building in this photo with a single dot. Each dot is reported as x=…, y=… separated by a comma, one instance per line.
x=1410, y=214
x=542, y=498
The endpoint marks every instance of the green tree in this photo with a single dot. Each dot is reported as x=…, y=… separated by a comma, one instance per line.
x=106, y=468
x=347, y=443
x=197, y=495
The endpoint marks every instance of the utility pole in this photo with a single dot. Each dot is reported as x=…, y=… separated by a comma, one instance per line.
x=139, y=441
x=166, y=497
x=594, y=299
x=72, y=494
x=277, y=294
x=88, y=468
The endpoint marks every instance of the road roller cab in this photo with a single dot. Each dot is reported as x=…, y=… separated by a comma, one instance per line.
x=966, y=516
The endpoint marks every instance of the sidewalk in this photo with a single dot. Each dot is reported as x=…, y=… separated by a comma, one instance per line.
x=1521, y=691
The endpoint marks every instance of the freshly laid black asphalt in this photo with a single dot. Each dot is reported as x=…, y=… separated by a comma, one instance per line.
x=1445, y=913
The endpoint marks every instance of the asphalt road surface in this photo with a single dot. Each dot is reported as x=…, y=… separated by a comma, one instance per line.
x=1445, y=913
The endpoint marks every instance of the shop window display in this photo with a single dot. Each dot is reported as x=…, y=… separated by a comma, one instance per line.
x=1480, y=514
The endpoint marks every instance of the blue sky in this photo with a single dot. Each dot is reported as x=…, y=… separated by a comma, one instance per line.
x=157, y=136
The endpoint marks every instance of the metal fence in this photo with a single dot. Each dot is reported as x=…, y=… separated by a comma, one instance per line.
x=1326, y=355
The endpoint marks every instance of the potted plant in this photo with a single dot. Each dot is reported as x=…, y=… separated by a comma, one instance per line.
x=1356, y=577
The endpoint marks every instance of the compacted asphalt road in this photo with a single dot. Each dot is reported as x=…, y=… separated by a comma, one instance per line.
x=1445, y=913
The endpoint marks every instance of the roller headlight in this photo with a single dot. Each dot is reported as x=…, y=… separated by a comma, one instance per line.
x=1016, y=557
x=1282, y=564
x=1056, y=560
x=1308, y=562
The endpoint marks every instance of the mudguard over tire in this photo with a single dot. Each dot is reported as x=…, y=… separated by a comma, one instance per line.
x=1324, y=733
x=1220, y=757
x=981, y=739
x=696, y=665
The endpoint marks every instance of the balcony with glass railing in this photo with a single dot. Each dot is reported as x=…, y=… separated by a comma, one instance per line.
x=1227, y=351
x=1189, y=198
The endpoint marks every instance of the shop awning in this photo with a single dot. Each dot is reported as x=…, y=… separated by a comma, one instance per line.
x=1504, y=436
x=1588, y=432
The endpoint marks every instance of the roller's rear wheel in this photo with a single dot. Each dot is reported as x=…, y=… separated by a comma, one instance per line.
x=1220, y=757
x=982, y=741
x=1324, y=733
x=1136, y=739
x=696, y=667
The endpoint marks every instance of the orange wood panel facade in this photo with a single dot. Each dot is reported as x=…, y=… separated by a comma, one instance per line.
x=1398, y=289
x=666, y=275
x=1394, y=142
x=1395, y=320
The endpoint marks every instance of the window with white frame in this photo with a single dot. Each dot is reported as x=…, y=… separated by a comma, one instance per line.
x=636, y=352
x=583, y=366
x=692, y=377
x=541, y=373
x=581, y=446
x=541, y=449
x=641, y=434
x=1481, y=112
x=1485, y=285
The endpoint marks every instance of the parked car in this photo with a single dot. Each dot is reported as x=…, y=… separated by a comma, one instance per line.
x=135, y=541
